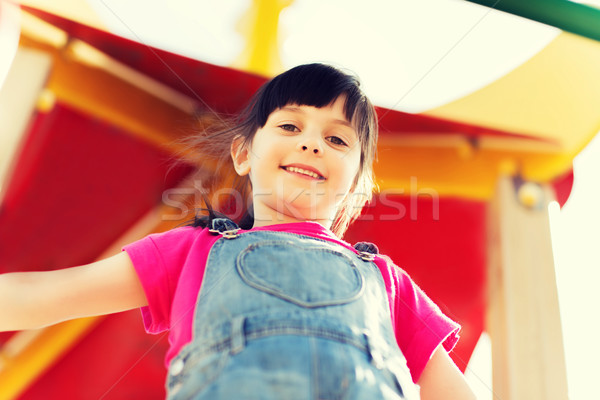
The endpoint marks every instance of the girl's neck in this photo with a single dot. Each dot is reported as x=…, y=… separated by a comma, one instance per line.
x=272, y=217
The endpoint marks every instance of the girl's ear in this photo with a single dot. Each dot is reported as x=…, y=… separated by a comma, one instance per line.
x=240, y=156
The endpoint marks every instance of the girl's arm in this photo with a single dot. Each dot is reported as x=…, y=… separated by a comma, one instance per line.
x=37, y=299
x=441, y=379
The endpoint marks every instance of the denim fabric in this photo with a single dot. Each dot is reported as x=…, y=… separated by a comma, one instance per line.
x=285, y=316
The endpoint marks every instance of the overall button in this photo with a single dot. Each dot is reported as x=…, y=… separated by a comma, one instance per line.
x=177, y=367
x=363, y=255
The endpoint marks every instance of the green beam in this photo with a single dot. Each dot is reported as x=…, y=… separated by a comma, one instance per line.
x=571, y=17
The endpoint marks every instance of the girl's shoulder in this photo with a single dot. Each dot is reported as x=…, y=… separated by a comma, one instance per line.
x=176, y=238
x=178, y=233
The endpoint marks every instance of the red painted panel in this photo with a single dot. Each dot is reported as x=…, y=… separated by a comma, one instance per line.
x=77, y=186
x=562, y=187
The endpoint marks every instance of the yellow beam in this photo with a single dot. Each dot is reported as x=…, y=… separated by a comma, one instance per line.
x=260, y=28
x=95, y=84
x=451, y=165
x=20, y=370
x=92, y=82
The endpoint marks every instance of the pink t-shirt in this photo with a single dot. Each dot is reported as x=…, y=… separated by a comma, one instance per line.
x=171, y=265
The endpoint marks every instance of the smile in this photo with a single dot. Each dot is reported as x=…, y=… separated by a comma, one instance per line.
x=303, y=171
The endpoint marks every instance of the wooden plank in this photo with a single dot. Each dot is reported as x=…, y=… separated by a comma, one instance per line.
x=9, y=36
x=523, y=317
x=18, y=99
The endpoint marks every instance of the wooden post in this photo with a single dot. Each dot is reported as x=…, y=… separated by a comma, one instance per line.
x=18, y=99
x=523, y=317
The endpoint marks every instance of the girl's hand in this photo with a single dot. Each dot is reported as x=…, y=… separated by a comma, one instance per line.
x=36, y=299
x=441, y=379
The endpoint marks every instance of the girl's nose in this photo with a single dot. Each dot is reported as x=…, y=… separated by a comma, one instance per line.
x=315, y=150
x=311, y=145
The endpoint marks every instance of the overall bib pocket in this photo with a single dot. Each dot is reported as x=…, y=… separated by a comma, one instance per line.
x=309, y=276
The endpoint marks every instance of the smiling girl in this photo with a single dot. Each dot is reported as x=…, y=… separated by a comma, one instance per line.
x=281, y=308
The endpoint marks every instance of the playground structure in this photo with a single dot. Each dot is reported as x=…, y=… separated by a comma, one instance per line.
x=463, y=201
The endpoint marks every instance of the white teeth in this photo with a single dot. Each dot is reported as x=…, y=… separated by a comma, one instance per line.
x=303, y=172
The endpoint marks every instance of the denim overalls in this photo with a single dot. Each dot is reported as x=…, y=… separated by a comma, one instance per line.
x=284, y=316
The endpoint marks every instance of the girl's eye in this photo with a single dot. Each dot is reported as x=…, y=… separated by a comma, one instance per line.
x=289, y=128
x=337, y=140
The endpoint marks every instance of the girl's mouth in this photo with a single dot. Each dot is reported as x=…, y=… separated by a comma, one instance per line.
x=302, y=171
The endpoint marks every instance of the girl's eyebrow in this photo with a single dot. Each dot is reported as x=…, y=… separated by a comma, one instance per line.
x=301, y=111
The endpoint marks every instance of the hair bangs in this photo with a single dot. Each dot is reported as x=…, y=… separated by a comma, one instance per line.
x=315, y=85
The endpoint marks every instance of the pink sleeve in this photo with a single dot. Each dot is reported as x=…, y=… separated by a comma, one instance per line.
x=159, y=278
x=420, y=325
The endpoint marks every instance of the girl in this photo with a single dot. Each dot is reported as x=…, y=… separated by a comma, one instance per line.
x=282, y=308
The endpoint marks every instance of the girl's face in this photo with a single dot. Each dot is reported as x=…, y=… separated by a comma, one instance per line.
x=302, y=164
